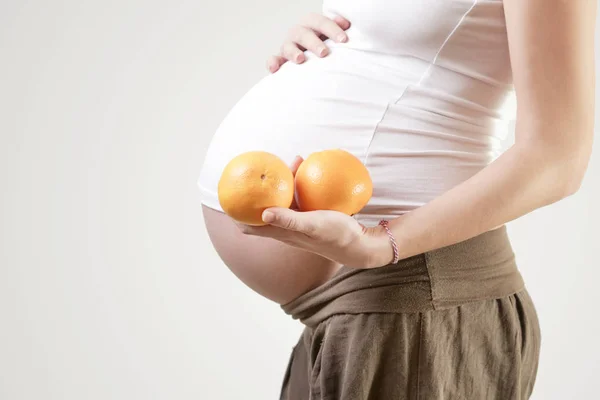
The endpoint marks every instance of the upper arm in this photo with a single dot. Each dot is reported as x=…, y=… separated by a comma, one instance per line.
x=551, y=46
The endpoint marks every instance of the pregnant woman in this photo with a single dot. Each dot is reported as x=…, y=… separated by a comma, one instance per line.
x=417, y=296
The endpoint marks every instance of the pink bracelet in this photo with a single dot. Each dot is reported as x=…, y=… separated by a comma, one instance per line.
x=385, y=224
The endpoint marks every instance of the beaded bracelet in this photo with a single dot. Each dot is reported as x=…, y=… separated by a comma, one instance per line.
x=385, y=224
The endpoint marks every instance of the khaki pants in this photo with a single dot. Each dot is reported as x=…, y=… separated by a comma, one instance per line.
x=456, y=324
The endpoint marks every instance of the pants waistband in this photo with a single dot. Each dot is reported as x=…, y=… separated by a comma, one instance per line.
x=479, y=268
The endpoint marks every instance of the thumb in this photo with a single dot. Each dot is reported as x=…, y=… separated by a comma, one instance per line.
x=288, y=219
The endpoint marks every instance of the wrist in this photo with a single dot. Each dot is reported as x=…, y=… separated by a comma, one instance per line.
x=381, y=251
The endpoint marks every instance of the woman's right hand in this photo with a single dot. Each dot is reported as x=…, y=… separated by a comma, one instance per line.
x=309, y=34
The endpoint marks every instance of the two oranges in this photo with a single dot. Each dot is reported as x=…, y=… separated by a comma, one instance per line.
x=326, y=180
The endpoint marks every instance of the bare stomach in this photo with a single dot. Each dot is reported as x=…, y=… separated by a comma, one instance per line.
x=273, y=269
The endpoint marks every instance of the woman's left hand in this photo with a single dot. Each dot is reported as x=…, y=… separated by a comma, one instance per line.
x=331, y=234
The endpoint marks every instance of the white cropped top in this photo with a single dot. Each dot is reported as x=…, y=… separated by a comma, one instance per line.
x=421, y=93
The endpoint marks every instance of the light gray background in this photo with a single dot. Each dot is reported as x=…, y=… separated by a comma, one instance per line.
x=109, y=288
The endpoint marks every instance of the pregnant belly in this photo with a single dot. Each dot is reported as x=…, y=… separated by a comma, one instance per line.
x=370, y=105
x=335, y=102
x=323, y=104
x=273, y=269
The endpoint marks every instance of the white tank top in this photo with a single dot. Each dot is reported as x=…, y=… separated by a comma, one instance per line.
x=419, y=93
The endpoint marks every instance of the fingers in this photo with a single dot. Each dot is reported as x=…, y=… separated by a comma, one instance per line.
x=275, y=62
x=294, y=168
x=342, y=22
x=327, y=27
x=308, y=39
x=309, y=35
x=301, y=222
x=296, y=164
x=291, y=52
x=266, y=231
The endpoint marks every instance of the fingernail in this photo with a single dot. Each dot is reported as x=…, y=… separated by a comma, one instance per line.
x=300, y=58
x=322, y=50
x=268, y=217
x=342, y=38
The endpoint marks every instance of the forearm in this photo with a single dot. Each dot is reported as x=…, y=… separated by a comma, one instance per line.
x=553, y=69
x=524, y=178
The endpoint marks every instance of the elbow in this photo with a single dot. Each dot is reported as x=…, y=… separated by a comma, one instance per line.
x=560, y=155
x=571, y=173
x=571, y=184
x=559, y=170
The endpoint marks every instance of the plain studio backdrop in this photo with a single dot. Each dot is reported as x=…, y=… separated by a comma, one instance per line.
x=109, y=287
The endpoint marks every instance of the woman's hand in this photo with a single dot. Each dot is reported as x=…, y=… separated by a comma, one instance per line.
x=309, y=34
x=331, y=234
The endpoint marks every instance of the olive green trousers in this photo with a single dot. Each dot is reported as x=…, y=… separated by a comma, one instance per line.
x=455, y=323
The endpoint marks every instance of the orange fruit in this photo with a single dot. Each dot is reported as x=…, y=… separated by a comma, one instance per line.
x=252, y=182
x=333, y=180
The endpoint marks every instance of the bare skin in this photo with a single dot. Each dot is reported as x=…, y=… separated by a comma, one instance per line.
x=271, y=268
